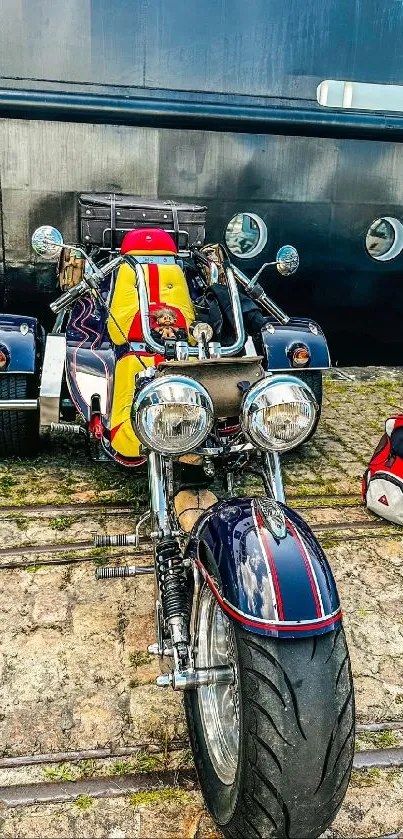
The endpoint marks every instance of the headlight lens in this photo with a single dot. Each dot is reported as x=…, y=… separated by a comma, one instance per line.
x=278, y=413
x=172, y=415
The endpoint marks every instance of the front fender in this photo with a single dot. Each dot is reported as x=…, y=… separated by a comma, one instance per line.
x=266, y=568
x=21, y=341
x=278, y=341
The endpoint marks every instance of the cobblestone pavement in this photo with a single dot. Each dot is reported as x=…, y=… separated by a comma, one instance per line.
x=74, y=668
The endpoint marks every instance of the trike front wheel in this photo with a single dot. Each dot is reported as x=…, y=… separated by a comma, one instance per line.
x=273, y=751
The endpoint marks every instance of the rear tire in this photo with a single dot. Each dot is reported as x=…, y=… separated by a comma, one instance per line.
x=19, y=430
x=296, y=737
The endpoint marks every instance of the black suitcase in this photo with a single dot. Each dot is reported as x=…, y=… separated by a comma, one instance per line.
x=104, y=219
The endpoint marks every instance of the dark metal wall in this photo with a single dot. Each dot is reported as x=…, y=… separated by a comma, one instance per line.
x=258, y=47
x=320, y=194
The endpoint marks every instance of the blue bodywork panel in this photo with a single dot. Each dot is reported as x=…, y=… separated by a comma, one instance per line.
x=89, y=350
x=23, y=349
x=278, y=341
x=266, y=568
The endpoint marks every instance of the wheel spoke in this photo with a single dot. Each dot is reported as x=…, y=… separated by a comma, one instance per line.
x=218, y=704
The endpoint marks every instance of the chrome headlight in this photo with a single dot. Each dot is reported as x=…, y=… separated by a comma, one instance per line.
x=172, y=415
x=278, y=413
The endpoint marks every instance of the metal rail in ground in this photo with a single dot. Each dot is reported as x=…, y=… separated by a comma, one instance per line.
x=74, y=560
x=365, y=759
x=119, y=507
x=378, y=758
x=43, y=510
x=376, y=530
x=19, y=761
x=105, y=787
x=386, y=725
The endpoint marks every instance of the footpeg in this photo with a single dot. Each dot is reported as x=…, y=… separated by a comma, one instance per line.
x=67, y=428
x=121, y=540
x=111, y=572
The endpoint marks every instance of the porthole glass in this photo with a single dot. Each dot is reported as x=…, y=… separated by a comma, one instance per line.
x=245, y=235
x=360, y=95
x=384, y=239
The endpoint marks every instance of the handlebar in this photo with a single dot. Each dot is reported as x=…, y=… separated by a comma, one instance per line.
x=257, y=293
x=70, y=296
x=152, y=344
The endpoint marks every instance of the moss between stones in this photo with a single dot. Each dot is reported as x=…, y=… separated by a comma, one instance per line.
x=142, y=762
x=140, y=658
x=6, y=484
x=365, y=778
x=167, y=794
x=378, y=739
x=61, y=523
x=62, y=772
x=83, y=802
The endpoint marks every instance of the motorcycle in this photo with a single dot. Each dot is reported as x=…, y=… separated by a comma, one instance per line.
x=248, y=618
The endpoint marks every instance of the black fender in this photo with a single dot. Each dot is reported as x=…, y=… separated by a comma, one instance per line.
x=279, y=341
x=266, y=568
x=22, y=341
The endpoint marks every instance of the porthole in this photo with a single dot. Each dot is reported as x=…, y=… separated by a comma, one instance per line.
x=360, y=95
x=384, y=239
x=245, y=235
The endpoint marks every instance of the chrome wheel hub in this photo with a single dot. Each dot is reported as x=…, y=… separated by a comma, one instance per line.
x=218, y=703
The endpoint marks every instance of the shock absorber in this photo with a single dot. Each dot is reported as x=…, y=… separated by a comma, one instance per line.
x=174, y=593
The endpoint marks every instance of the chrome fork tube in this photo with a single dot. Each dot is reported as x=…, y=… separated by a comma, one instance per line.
x=273, y=471
x=157, y=478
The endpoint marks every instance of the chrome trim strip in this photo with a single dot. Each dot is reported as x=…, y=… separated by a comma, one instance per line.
x=18, y=404
x=264, y=621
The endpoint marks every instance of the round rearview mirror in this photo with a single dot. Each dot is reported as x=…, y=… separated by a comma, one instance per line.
x=47, y=241
x=287, y=260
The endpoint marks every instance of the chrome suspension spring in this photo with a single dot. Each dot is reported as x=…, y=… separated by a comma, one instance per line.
x=172, y=579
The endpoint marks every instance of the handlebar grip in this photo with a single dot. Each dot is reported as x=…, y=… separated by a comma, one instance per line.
x=68, y=297
x=258, y=293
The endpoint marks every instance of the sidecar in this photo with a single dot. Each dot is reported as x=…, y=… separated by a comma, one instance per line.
x=84, y=365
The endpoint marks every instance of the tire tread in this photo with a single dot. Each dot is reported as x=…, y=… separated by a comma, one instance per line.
x=19, y=430
x=297, y=711
x=333, y=760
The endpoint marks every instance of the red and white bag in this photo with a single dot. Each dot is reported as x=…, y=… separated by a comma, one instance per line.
x=382, y=484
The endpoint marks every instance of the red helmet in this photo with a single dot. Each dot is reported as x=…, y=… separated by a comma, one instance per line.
x=148, y=240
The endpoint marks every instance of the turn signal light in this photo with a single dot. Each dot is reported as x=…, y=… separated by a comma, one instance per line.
x=301, y=357
x=3, y=360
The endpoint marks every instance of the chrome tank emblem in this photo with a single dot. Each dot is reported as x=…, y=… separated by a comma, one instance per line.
x=273, y=517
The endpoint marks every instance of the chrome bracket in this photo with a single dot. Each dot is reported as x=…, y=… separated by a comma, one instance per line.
x=139, y=525
x=197, y=678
